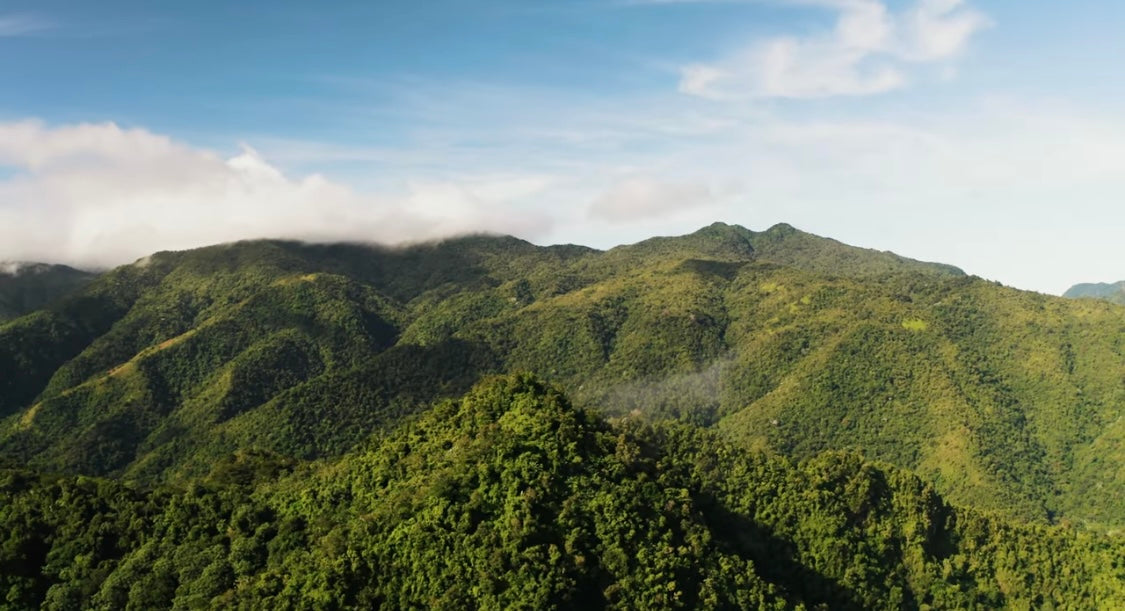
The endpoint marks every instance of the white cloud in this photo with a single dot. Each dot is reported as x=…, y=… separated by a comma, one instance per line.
x=701, y=79
x=962, y=180
x=1026, y=193
x=639, y=198
x=938, y=29
x=870, y=50
x=102, y=195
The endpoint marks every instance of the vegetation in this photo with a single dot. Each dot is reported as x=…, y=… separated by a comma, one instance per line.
x=511, y=497
x=761, y=419
x=1114, y=293
x=26, y=287
x=785, y=342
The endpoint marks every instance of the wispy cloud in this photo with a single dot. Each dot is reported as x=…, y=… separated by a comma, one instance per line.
x=952, y=184
x=639, y=198
x=23, y=25
x=870, y=50
x=935, y=182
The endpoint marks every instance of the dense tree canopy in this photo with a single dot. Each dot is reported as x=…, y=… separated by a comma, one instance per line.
x=26, y=287
x=751, y=420
x=511, y=497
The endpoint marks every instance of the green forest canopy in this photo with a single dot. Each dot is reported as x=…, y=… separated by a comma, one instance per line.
x=769, y=396
x=510, y=497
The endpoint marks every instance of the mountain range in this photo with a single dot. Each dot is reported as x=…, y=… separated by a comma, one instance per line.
x=1110, y=292
x=323, y=402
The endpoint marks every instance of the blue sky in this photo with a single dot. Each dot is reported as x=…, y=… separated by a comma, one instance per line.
x=985, y=134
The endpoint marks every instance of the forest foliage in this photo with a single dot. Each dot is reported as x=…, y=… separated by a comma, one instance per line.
x=512, y=498
x=26, y=287
x=253, y=423
x=784, y=341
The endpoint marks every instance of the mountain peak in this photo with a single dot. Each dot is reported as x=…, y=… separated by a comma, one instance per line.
x=782, y=229
x=786, y=245
x=715, y=241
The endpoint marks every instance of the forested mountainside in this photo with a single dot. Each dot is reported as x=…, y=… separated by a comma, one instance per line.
x=25, y=287
x=1110, y=292
x=511, y=497
x=784, y=343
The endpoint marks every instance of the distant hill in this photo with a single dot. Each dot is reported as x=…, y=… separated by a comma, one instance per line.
x=25, y=287
x=781, y=341
x=1114, y=293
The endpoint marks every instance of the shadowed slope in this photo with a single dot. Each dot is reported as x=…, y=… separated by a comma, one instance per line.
x=25, y=287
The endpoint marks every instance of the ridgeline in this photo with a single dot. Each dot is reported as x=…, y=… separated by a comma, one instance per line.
x=725, y=419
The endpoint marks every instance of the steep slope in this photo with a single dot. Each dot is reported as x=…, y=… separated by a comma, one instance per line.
x=512, y=498
x=1114, y=293
x=25, y=287
x=785, y=342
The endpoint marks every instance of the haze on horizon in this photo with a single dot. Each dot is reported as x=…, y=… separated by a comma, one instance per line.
x=984, y=134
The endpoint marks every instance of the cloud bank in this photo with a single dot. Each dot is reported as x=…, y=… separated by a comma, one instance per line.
x=870, y=50
x=101, y=195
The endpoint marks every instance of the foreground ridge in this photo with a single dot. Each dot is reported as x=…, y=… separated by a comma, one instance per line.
x=511, y=497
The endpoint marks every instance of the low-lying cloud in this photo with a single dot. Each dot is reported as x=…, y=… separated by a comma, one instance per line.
x=96, y=195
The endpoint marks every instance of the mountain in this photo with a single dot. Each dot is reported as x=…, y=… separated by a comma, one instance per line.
x=25, y=287
x=510, y=497
x=1114, y=293
x=784, y=343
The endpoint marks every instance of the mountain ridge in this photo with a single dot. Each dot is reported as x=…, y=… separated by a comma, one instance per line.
x=785, y=342
x=1112, y=292
x=27, y=286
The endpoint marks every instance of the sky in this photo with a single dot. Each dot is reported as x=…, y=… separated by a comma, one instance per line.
x=989, y=134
